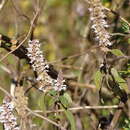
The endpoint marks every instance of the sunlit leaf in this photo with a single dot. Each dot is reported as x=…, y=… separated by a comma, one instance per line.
x=120, y=80
x=41, y=102
x=64, y=101
x=51, y=102
x=129, y=41
x=71, y=119
x=117, y=52
x=67, y=96
x=52, y=92
x=125, y=27
x=98, y=79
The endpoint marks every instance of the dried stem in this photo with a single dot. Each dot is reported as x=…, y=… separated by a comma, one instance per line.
x=116, y=117
x=28, y=34
x=45, y=118
x=82, y=108
x=2, y=4
x=114, y=12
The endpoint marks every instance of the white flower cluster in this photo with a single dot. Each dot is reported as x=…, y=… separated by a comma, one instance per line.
x=59, y=83
x=40, y=65
x=53, y=84
x=37, y=60
x=99, y=24
x=6, y=115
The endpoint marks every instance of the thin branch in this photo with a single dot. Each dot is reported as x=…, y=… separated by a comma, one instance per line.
x=114, y=12
x=18, y=11
x=83, y=85
x=82, y=108
x=28, y=34
x=118, y=34
x=20, y=52
x=2, y=4
x=4, y=68
x=75, y=55
x=45, y=118
x=5, y=91
x=68, y=66
x=116, y=117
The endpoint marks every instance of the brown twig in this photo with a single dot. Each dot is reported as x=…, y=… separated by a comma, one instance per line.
x=20, y=52
x=18, y=11
x=28, y=34
x=116, y=117
x=82, y=108
x=118, y=34
x=46, y=119
x=83, y=85
x=6, y=92
x=114, y=12
x=2, y=4
x=75, y=55
x=69, y=66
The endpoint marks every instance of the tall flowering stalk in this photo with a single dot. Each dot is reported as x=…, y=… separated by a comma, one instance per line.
x=7, y=116
x=99, y=24
x=40, y=65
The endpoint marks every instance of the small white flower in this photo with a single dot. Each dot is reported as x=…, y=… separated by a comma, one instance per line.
x=99, y=24
x=6, y=115
x=40, y=65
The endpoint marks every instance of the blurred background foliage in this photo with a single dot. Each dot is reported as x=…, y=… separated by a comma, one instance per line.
x=63, y=29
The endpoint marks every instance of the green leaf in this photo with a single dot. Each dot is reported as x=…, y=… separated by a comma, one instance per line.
x=117, y=52
x=125, y=27
x=120, y=80
x=8, y=44
x=67, y=96
x=128, y=40
x=64, y=101
x=37, y=121
x=53, y=93
x=71, y=119
x=98, y=79
x=51, y=102
x=41, y=102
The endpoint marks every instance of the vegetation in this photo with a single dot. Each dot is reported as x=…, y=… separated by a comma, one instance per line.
x=64, y=64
